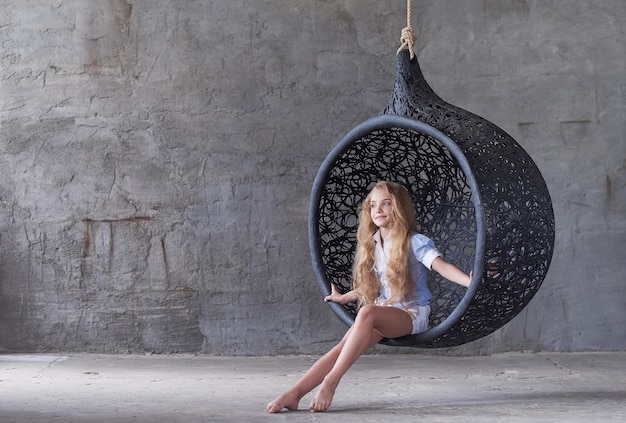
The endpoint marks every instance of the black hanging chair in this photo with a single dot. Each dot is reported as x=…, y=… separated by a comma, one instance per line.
x=477, y=194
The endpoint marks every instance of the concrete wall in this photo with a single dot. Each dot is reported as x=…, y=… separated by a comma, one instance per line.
x=157, y=160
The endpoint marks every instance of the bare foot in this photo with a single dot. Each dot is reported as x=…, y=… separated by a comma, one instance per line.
x=324, y=397
x=287, y=400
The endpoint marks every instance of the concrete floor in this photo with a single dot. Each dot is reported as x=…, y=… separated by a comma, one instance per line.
x=546, y=387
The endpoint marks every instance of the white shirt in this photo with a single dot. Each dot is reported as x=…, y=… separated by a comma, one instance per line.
x=423, y=253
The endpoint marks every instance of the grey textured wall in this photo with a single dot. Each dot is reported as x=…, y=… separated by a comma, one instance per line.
x=157, y=159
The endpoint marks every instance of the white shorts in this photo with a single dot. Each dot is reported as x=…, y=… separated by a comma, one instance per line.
x=419, y=317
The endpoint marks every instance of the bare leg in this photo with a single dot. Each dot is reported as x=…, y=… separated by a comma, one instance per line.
x=371, y=325
x=312, y=378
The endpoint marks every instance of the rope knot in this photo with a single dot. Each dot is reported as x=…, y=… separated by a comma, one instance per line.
x=407, y=39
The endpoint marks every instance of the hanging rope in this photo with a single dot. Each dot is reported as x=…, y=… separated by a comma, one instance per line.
x=407, y=38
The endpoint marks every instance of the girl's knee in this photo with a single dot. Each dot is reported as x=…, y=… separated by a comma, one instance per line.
x=366, y=313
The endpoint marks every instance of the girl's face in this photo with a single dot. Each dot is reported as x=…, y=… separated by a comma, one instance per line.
x=381, y=208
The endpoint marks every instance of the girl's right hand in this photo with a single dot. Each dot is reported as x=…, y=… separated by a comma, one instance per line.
x=335, y=296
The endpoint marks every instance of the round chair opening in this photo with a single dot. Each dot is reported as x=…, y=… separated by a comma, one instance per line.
x=445, y=195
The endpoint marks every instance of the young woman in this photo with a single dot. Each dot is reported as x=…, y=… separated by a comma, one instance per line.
x=390, y=286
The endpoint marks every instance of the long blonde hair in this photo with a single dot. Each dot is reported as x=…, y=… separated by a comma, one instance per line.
x=402, y=225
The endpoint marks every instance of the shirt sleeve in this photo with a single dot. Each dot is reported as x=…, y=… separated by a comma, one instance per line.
x=424, y=250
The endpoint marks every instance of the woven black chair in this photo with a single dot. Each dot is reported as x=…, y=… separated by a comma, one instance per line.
x=476, y=192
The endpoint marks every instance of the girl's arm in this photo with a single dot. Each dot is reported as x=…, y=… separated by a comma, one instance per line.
x=337, y=297
x=451, y=272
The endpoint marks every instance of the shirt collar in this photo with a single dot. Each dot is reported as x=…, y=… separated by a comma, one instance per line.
x=379, y=241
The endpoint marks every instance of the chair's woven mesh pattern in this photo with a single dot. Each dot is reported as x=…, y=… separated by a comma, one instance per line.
x=518, y=215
